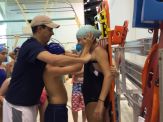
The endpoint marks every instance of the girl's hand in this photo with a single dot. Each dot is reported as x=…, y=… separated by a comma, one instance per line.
x=114, y=71
x=99, y=110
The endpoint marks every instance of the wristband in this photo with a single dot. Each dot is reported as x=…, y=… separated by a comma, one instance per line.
x=101, y=100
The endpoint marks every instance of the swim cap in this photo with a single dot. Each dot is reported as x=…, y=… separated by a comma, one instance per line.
x=55, y=48
x=3, y=48
x=86, y=29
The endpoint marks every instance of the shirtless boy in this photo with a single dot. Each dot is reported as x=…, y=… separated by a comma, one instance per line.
x=56, y=110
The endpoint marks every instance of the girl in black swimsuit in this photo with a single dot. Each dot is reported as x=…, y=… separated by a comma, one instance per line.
x=97, y=76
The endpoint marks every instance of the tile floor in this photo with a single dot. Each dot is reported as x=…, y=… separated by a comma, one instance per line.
x=126, y=111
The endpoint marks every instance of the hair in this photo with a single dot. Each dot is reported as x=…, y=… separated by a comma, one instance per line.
x=34, y=29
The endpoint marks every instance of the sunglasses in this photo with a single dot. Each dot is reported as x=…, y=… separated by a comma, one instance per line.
x=49, y=29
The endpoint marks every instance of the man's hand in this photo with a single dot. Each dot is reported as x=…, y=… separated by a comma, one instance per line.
x=87, y=57
x=88, y=40
x=87, y=43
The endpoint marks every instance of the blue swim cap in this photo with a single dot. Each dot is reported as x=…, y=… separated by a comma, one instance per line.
x=55, y=48
x=86, y=29
x=2, y=47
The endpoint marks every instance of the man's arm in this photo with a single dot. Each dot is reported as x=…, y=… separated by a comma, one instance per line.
x=61, y=60
x=71, y=54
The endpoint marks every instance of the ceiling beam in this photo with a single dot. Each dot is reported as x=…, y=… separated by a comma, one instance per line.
x=41, y=8
x=2, y=12
x=41, y=2
x=21, y=20
x=43, y=11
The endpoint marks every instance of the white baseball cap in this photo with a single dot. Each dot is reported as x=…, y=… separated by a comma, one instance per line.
x=43, y=20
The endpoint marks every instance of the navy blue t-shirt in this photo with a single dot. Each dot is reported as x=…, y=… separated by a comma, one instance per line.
x=27, y=78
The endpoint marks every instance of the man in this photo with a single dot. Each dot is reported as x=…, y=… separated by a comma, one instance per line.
x=22, y=97
x=57, y=96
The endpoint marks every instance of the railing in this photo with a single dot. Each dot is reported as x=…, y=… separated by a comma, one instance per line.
x=130, y=71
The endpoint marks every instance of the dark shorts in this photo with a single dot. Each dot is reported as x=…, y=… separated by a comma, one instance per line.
x=56, y=113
